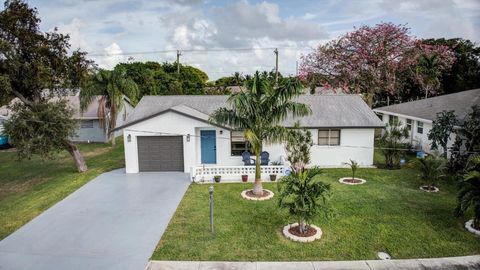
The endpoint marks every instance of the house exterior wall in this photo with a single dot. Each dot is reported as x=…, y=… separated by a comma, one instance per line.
x=89, y=134
x=418, y=140
x=356, y=144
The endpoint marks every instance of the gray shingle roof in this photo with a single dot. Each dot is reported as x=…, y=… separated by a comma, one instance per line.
x=460, y=102
x=327, y=110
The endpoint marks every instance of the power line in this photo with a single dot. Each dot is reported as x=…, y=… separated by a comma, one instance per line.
x=192, y=51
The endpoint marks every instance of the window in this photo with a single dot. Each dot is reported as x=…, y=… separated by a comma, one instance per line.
x=86, y=124
x=409, y=124
x=419, y=127
x=329, y=137
x=238, y=143
x=392, y=118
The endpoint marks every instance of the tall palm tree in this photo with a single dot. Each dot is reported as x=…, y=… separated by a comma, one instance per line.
x=428, y=74
x=113, y=86
x=258, y=110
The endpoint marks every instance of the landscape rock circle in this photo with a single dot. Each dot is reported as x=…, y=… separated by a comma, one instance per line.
x=295, y=238
x=425, y=189
x=469, y=227
x=268, y=197
x=344, y=180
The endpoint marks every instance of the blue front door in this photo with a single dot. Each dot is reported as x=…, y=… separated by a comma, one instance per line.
x=208, y=145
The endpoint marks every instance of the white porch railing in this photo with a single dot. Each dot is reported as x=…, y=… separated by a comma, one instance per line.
x=204, y=174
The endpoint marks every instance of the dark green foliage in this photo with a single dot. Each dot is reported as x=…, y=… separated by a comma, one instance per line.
x=155, y=78
x=42, y=129
x=304, y=195
x=430, y=169
x=469, y=194
x=442, y=128
x=391, y=143
x=467, y=141
x=465, y=72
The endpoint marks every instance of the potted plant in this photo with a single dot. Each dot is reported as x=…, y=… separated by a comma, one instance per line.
x=217, y=178
x=273, y=177
x=430, y=171
x=245, y=178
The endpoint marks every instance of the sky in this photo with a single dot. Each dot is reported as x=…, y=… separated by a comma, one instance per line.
x=221, y=37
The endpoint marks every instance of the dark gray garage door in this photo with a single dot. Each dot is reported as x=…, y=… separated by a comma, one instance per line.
x=160, y=153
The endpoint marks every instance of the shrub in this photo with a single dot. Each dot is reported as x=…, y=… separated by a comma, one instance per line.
x=430, y=169
x=469, y=194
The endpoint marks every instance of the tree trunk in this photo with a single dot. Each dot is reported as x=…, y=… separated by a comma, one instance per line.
x=112, y=138
x=257, y=185
x=302, y=226
x=77, y=157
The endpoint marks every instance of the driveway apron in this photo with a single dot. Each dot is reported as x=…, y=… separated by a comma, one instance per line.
x=112, y=222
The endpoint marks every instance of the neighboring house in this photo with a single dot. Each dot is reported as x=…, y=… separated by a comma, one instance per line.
x=418, y=115
x=172, y=133
x=89, y=129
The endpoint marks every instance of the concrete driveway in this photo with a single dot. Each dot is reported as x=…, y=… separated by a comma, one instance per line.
x=113, y=222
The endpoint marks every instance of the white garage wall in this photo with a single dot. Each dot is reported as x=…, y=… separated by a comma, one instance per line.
x=356, y=144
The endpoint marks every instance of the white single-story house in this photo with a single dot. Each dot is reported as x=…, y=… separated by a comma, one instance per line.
x=418, y=115
x=173, y=133
x=89, y=129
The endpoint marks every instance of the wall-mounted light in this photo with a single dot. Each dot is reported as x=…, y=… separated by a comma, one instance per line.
x=188, y=137
x=221, y=132
x=129, y=138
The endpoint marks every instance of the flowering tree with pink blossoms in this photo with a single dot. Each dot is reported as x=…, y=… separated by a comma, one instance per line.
x=369, y=60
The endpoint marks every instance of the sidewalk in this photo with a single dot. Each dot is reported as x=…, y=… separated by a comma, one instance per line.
x=464, y=263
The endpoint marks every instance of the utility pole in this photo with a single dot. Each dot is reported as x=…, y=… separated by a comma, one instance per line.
x=178, y=62
x=276, y=66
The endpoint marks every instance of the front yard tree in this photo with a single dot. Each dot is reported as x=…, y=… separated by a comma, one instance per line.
x=469, y=195
x=442, y=128
x=30, y=62
x=391, y=142
x=258, y=110
x=112, y=86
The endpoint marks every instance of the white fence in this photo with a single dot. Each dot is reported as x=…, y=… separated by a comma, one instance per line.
x=205, y=174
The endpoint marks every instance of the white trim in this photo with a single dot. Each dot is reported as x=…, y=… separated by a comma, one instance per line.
x=404, y=116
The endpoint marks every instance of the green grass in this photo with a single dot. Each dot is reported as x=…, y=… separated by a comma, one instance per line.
x=388, y=213
x=29, y=187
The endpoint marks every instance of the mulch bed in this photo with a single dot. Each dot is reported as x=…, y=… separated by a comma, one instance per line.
x=250, y=194
x=296, y=231
x=351, y=181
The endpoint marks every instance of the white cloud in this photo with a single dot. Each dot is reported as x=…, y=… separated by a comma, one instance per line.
x=75, y=30
x=111, y=57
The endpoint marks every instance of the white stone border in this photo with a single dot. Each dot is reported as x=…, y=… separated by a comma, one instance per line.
x=429, y=191
x=362, y=181
x=295, y=238
x=469, y=227
x=244, y=195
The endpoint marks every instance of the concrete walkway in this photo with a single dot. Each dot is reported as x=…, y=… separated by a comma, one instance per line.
x=112, y=222
x=464, y=263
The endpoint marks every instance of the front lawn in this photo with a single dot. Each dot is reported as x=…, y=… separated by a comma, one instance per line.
x=29, y=187
x=388, y=213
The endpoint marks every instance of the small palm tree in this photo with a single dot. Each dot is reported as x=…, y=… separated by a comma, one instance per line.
x=258, y=110
x=431, y=169
x=113, y=86
x=354, y=166
x=391, y=142
x=469, y=195
x=304, y=196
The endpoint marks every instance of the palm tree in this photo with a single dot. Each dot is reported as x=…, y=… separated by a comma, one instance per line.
x=113, y=86
x=258, y=110
x=469, y=195
x=428, y=74
x=431, y=169
x=304, y=195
